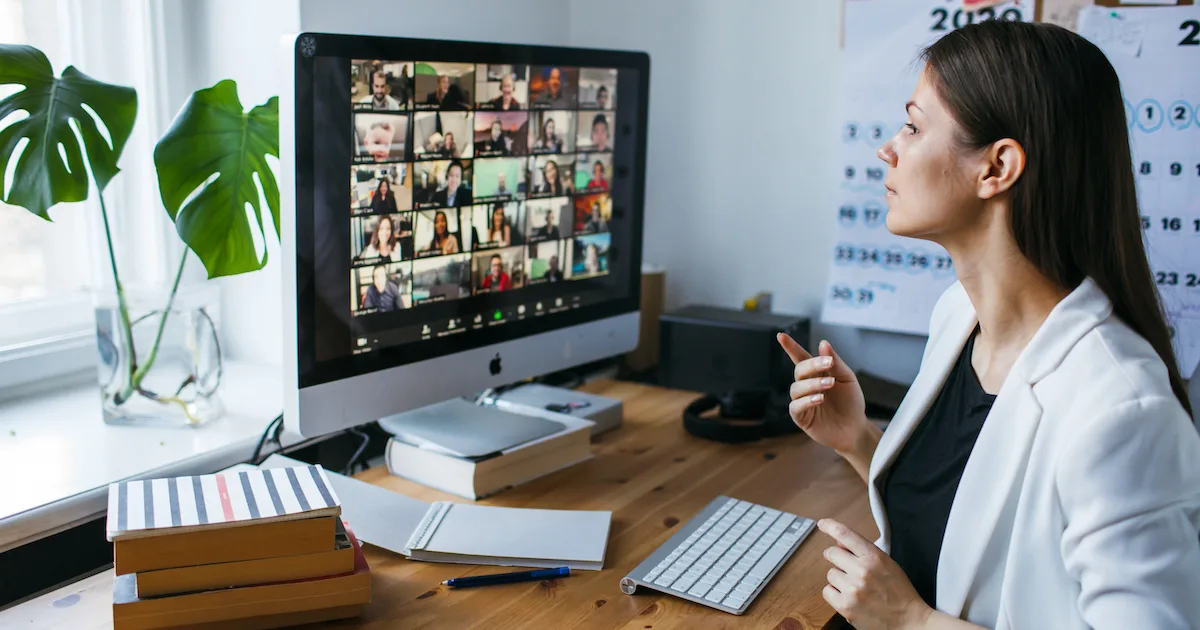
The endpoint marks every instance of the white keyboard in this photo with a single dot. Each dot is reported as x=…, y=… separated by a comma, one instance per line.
x=724, y=556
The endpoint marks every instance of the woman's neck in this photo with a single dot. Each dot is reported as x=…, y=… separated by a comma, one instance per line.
x=1012, y=298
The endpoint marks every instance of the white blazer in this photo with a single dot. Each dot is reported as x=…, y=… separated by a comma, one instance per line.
x=1079, y=506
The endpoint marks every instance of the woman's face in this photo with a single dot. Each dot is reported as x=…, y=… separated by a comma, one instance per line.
x=497, y=218
x=380, y=278
x=931, y=178
x=496, y=130
x=385, y=232
x=551, y=172
x=383, y=186
x=506, y=85
x=550, y=128
x=598, y=171
x=439, y=224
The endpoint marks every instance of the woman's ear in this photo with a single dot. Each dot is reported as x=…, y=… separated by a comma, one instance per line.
x=1004, y=162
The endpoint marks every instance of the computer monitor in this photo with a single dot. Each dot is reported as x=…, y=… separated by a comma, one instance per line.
x=455, y=216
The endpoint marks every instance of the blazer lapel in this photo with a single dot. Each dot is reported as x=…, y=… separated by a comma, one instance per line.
x=948, y=342
x=987, y=493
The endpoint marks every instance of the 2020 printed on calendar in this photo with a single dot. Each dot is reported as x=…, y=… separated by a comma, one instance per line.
x=884, y=282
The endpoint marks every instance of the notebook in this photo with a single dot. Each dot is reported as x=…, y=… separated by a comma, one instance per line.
x=178, y=505
x=484, y=534
x=468, y=533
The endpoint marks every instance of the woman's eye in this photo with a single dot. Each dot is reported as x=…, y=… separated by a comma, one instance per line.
x=912, y=128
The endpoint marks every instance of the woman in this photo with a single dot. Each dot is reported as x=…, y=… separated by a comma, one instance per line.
x=384, y=201
x=1043, y=470
x=443, y=241
x=506, y=101
x=383, y=294
x=451, y=149
x=548, y=142
x=551, y=184
x=499, y=234
x=598, y=182
x=383, y=242
x=496, y=144
x=591, y=261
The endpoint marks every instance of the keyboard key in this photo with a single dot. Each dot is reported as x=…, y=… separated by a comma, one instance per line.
x=734, y=602
x=699, y=590
x=683, y=585
x=715, y=596
x=768, y=561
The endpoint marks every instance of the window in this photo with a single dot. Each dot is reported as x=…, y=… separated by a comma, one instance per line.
x=48, y=267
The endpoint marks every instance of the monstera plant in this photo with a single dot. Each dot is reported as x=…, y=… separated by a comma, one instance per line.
x=211, y=166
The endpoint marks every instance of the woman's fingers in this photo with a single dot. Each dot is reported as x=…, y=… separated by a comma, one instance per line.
x=798, y=409
x=838, y=367
x=795, y=351
x=809, y=368
x=810, y=386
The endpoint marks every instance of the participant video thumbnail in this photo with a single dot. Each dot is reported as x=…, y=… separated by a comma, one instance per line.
x=380, y=137
x=446, y=86
x=552, y=175
x=381, y=238
x=381, y=288
x=549, y=219
x=380, y=189
x=501, y=134
x=547, y=262
x=441, y=184
x=552, y=132
x=501, y=87
x=441, y=278
x=500, y=179
x=442, y=135
x=497, y=225
x=597, y=88
x=590, y=256
x=595, y=131
x=499, y=270
x=381, y=85
x=437, y=233
x=553, y=87
x=592, y=213
x=592, y=172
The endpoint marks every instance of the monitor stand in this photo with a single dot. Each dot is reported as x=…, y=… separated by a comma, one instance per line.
x=462, y=428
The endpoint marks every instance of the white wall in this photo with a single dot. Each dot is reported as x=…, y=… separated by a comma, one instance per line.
x=742, y=153
x=515, y=21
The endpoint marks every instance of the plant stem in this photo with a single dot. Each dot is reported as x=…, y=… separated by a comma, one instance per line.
x=144, y=368
x=126, y=327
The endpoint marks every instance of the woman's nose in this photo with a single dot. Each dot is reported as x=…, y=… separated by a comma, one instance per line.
x=887, y=153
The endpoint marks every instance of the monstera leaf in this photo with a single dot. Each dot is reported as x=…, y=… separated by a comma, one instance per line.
x=206, y=167
x=50, y=168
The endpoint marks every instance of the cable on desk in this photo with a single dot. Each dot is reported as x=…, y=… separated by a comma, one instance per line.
x=366, y=439
x=274, y=429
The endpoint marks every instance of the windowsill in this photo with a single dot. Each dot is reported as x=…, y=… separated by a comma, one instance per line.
x=57, y=456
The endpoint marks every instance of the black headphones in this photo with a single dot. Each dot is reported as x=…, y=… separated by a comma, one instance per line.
x=744, y=417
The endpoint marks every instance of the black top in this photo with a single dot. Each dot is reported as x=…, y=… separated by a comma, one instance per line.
x=924, y=477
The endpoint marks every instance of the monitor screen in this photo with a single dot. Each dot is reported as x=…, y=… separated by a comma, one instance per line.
x=494, y=192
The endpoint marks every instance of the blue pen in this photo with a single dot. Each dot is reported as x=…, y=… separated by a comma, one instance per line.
x=506, y=578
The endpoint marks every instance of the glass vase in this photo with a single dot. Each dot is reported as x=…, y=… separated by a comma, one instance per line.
x=171, y=373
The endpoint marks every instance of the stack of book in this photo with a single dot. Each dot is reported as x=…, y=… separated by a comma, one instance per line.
x=253, y=548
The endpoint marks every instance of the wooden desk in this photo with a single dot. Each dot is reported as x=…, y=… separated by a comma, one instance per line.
x=653, y=476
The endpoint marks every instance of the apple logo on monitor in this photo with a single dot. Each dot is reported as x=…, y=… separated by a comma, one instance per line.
x=494, y=365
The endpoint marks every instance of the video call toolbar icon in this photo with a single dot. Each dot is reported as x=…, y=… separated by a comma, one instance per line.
x=521, y=310
x=425, y=330
x=479, y=319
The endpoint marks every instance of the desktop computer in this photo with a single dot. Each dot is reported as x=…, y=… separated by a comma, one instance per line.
x=455, y=217
x=458, y=216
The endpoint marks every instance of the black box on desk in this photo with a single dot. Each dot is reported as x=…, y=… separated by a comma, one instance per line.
x=709, y=349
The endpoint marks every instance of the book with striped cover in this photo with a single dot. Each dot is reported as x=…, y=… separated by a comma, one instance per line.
x=154, y=507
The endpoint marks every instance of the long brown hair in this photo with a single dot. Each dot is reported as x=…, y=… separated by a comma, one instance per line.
x=1074, y=208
